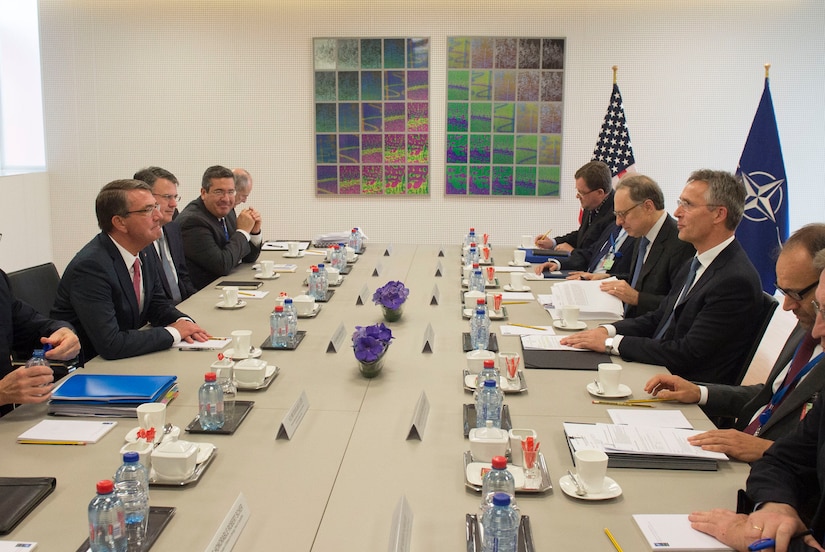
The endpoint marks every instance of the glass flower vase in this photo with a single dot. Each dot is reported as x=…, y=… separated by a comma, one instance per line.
x=372, y=369
x=393, y=315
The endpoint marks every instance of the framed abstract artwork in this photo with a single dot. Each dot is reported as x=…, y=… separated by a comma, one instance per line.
x=372, y=116
x=504, y=116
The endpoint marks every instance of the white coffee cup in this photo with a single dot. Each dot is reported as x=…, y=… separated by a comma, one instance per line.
x=333, y=275
x=351, y=255
x=292, y=248
x=230, y=296
x=151, y=415
x=517, y=281
x=475, y=360
x=609, y=376
x=267, y=269
x=519, y=256
x=527, y=241
x=471, y=299
x=570, y=315
x=240, y=343
x=591, y=467
x=304, y=304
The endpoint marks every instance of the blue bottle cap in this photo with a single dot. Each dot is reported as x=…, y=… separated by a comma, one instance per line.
x=501, y=499
x=288, y=301
x=489, y=383
x=131, y=456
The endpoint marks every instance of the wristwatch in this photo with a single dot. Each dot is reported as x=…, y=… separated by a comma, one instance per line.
x=608, y=346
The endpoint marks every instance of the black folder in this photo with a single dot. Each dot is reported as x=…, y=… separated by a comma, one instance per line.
x=19, y=496
x=563, y=360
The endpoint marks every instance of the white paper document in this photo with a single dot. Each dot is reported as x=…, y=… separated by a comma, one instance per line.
x=648, y=417
x=517, y=296
x=510, y=269
x=673, y=532
x=252, y=294
x=593, y=303
x=214, y=343
x=65, y=432
x=17, y=546
x=545, y=342
x=646, y=440
x=507, y=329
x=282, y=246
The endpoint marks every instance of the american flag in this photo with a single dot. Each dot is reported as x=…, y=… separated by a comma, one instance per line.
x=614, y=146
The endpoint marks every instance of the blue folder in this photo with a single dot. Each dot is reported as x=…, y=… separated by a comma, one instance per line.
x=113, y=388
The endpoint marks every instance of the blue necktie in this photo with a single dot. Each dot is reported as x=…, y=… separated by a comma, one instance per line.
x=694, y=266
x=640, y=260
x=225, y=229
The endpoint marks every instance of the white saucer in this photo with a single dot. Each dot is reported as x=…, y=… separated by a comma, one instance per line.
x=508, y=287
x=471, y=381
x=298, y=256
x=239, y=305
x=611, y=489
x=514, y=263
x=473, y=473
x=315, y=308
x=274, y=276
x=131, y=436
x=624, y=391
x=256, y=353
x=571, y=327
x=493, y=314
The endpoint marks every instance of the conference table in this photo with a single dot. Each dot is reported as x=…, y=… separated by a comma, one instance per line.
x=335, y=484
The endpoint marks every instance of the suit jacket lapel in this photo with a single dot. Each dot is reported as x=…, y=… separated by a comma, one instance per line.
x=123, y=277
x=801, y=393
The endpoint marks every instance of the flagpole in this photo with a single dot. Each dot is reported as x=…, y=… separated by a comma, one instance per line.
x=616, y=68
x=767, y=70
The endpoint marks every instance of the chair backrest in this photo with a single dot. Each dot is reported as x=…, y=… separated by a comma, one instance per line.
x=37, y=286
x=769, y=304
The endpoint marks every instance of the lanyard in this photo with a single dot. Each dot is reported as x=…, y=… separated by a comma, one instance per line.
x=786, y=386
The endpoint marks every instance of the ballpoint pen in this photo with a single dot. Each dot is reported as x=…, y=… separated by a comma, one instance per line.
x=623, y=403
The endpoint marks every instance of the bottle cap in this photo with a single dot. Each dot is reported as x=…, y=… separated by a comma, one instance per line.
x=288, y=301
x=212, y=376
x=489, y=383
x=501, y=499
x=489, y=363
x=131, y=456
x=47, y=347
x=314, y=269
x=320, y=266
x=279, y=308
x=499, y=462
x=105, y=486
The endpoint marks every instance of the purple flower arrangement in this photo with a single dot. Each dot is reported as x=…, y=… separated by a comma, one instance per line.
x=391, y=295
x=370, y=342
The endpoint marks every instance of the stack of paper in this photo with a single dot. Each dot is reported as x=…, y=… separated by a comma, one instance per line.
x=593, y=303
x=630, y=446
x=65, y=432
x=112, y=395
x=673, y=532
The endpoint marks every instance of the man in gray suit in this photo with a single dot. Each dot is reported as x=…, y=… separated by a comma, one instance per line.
x=767, y=411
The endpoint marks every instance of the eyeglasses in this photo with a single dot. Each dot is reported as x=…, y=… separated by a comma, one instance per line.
x=582, y=194
x=221, y=193
x=623, y=214
x=168, y=197
x=793, y=294
x=818, y=308
x=146, y=211
x=687, y=205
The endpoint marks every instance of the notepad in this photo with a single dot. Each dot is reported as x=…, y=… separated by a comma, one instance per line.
x=673, y=532
x=65, y=432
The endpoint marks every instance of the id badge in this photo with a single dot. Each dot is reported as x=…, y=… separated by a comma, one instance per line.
x=608, y=262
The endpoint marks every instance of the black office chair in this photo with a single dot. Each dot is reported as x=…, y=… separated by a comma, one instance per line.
x=37, y=286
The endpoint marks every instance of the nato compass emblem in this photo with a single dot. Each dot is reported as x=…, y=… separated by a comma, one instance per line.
x=765, y=196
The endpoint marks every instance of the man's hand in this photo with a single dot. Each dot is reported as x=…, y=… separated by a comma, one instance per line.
x=564, y=247
x=734, y=443
x=588, y=339
x=256, y=216
x=549, y=265
x=545, y=243
x=27, y=385
x=65, y=345
x=246, y=221
x=673, y=388
x=579, y=275
x=621, y=290
x=189, y=331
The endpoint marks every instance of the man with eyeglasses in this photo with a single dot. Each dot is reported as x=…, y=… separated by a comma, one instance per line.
x=215, y=239
x=595, y=193
x=658, y=255
x=703, y=329
x=112, y=288
x=784, y=496
x=168, y=248
x=767, y=411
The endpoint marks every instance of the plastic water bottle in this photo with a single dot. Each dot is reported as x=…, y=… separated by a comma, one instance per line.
x=341, y=256
x=497, y=480
x=133, y=470
x=489, y=401
x=476, y=282
x=488, y=371
x=279, y=328
x=472, y=255
x=470, y=237
x=312, y=280
x=501, y=525
x=210, y=401
x=107, y=520
x=38, y=358
x=323, y=283
x=480, y=328
x=292, y=318
x=355, y=240
x=132, y=488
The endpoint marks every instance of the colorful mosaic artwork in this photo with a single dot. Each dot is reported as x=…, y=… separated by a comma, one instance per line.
x=504, y=116
x=372, y=116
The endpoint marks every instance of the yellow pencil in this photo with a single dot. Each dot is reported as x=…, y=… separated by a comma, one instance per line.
x=546, y=234
x=648, y=400
x=246, y=294
x=623, y=403
x=531, y=327
x=613, y=540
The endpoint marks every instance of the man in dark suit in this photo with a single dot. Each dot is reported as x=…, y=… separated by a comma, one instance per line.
x=22, y=327
x=786, y=487
x=169, y=247
x=595, y=193
x=764, y=412
x=704, y=327
x=112, y=288
x=658, y=254
x=610, y=254
x=215, y=240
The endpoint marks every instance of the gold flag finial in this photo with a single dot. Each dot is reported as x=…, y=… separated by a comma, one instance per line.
x=767, y=69
x=615, y=69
